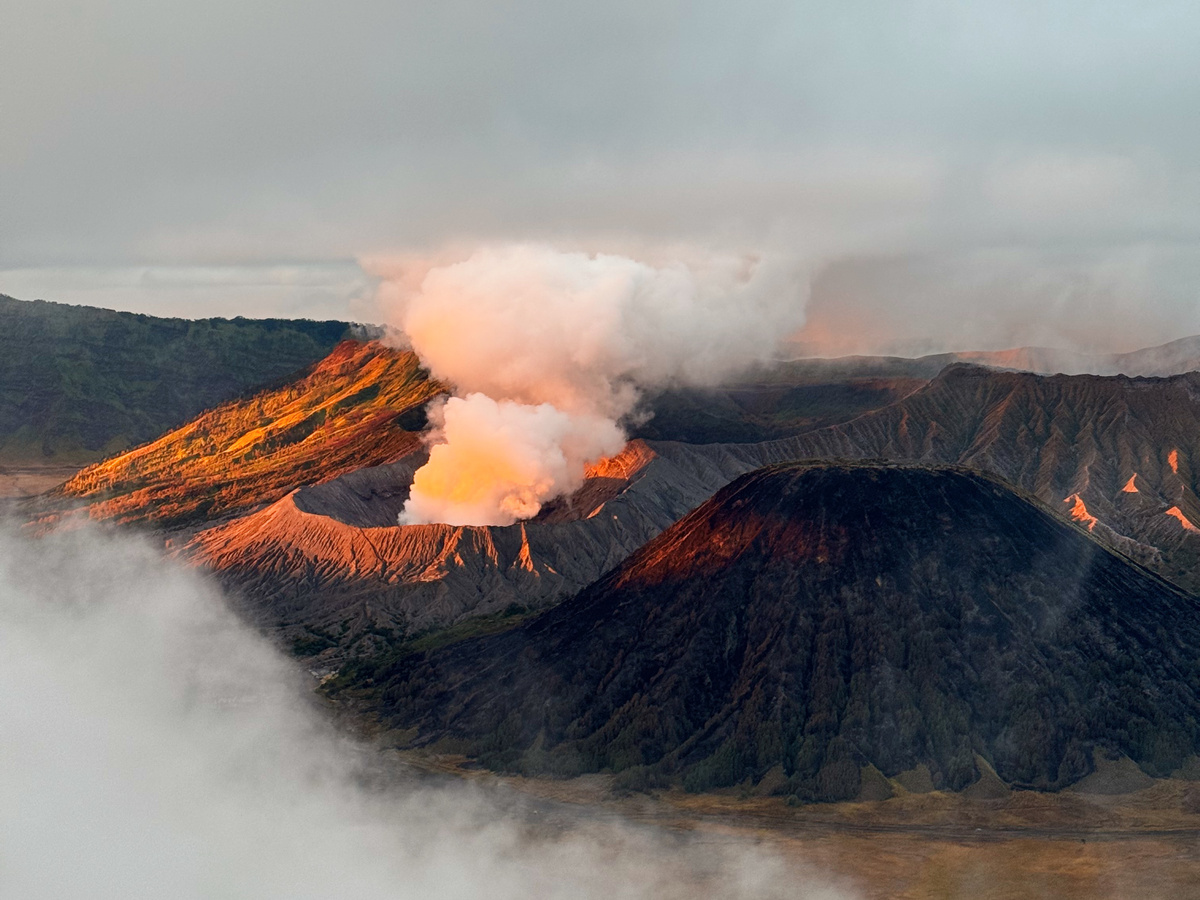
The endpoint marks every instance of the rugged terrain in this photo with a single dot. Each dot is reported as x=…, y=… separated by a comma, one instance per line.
x=825, y=627
x=78, y=384
x=1113, y=453
x=329, y=564
x=360, y=406
x=291, y=496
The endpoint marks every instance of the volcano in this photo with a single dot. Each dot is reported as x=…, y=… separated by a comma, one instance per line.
x=827, y=623
x=1074, y=441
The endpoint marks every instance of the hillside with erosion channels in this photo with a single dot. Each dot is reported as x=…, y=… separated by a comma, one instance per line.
x=330, y=566
x=360, y=406
x=290, y=498
x=78, y=384
x=1115, y=454
x=822, y=629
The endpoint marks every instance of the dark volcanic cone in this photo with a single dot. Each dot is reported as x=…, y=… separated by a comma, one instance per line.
x=825, y=617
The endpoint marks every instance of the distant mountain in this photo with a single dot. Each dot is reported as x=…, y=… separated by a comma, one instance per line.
x=1178, y=356
x=816, y=625
x=791, y=397
x=78, y=384
x=1174, y=358
x=360, y=406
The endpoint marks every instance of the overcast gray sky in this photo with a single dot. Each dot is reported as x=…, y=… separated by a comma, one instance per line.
x=969, y=173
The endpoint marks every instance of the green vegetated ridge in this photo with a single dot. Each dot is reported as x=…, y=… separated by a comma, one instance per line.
x=819, y=620
x=79, y=383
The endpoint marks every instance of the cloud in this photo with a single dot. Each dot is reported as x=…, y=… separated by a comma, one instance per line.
x=564, y=341
x=496, y=462
x=1120, y=299
x=138, y=134
x=310, y=290
x=155, y=747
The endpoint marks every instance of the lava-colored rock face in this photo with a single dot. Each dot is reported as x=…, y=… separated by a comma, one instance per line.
x=347, y=412
x=825, y=617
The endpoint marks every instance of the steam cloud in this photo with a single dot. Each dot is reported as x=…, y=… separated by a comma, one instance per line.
x=548, y=351
x=154, y=747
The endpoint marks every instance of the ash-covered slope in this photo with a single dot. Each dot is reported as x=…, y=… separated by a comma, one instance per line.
x=817, y=619
x=331, y=559
x=1116, y=454
x=349, y=410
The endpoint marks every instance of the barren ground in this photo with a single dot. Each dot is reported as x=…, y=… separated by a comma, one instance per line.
x=25, y=481
x=1143, y=845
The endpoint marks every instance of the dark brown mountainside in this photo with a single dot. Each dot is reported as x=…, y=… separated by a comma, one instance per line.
x=79, y=383
x=776, y=402
x=819, y=619
x=1116, y=454
x=1164, y=360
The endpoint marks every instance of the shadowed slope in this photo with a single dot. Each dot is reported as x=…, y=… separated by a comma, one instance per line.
x=332, y=558
x=822, y=618
x=348, y=411
x=79, y=383
x=1073, y=441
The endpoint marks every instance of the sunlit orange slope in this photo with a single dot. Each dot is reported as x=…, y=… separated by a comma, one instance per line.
x=342, y=414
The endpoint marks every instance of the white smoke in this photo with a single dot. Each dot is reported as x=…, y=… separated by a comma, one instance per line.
x=503, y=460
x=154, y=747
x=532, y=325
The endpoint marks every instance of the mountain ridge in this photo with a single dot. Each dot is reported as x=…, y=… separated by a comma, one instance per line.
x=80, y=383
x=827, y=617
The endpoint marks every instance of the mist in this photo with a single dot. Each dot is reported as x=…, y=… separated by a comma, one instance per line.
x=549, y=350
x=156, y=747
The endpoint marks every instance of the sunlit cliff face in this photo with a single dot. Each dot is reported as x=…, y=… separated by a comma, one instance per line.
x=341, y=415
x=547, y=351
x=500, y=461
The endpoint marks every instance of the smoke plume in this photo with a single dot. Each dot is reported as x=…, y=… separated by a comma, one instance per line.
x=505, y=459
x=155, y=747
x=548, y=351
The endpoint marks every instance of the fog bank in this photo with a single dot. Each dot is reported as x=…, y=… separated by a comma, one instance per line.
x=155, y=747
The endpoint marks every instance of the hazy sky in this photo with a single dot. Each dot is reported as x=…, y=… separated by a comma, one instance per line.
x=971, y=172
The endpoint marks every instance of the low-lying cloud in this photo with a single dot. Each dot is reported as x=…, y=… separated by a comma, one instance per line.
x=548, y=351
x=155, y=747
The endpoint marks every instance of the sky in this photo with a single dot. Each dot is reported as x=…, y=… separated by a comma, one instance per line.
x=955, y=174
